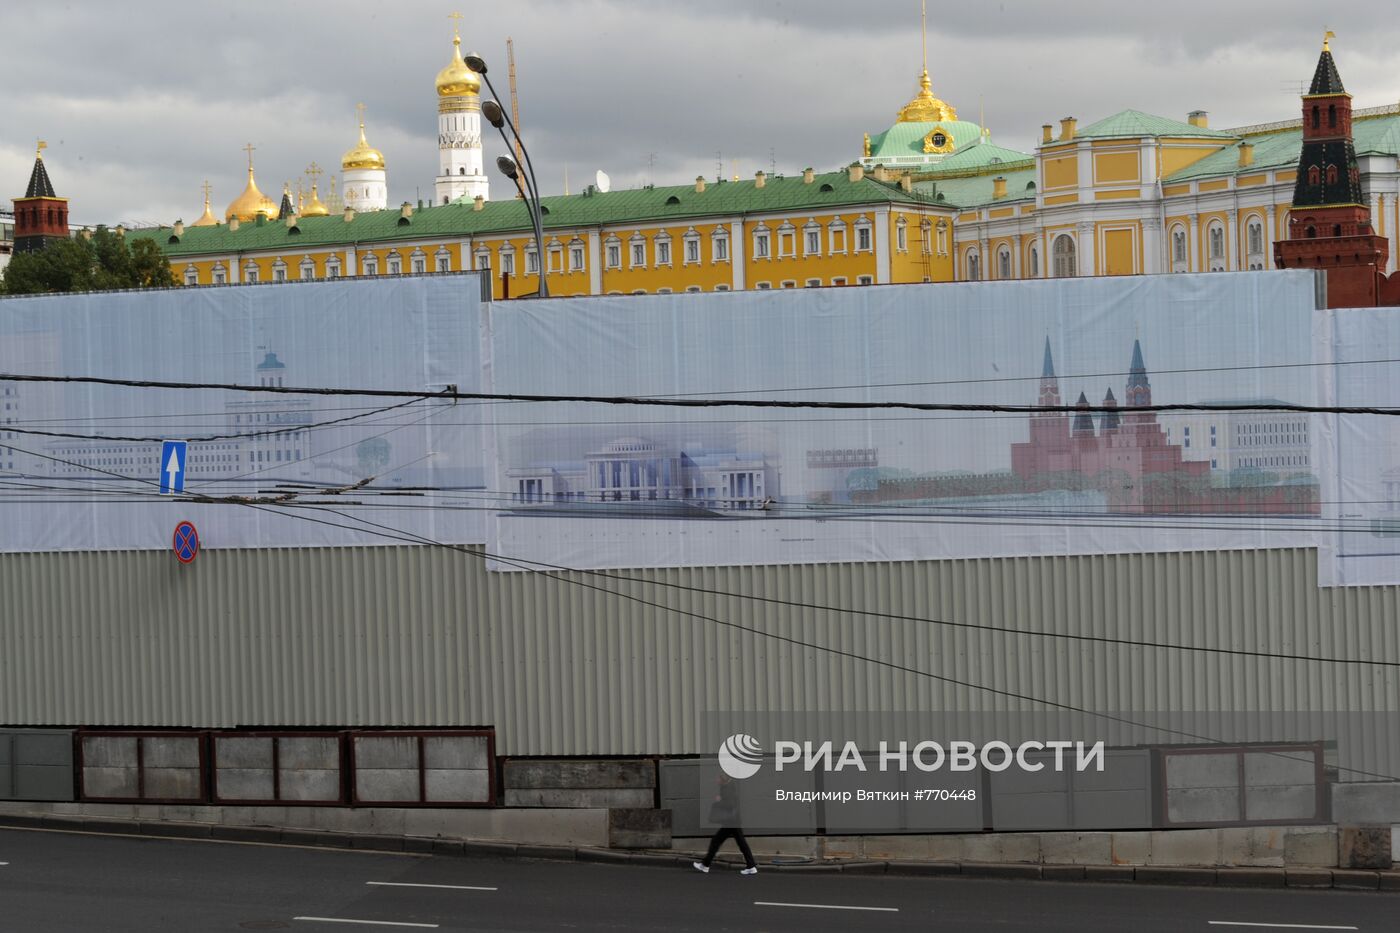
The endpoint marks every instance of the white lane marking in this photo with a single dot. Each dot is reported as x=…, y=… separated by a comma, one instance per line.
x=1283, y=926
x=893, y=910
x=373, y=923
x=449, y=887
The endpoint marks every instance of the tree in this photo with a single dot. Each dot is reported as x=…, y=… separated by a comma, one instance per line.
x=80, y=264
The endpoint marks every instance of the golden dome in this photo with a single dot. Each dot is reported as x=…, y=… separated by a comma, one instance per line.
x=363, y=155
x=207, y=219
x=457, y=80
x=925, y=108
x=252, y=202
x=314, y=207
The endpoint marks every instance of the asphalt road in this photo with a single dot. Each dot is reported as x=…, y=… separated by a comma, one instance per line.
x=76, y=883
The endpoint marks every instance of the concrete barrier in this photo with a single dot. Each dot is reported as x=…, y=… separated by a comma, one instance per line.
x=36, y=764
x=629, y=784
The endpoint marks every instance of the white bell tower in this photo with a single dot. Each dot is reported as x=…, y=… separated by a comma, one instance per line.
x=460, y=169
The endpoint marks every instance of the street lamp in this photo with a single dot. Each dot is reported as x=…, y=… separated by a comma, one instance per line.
x=522, y=175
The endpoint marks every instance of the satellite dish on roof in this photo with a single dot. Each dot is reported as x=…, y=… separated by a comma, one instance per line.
x=604, y=182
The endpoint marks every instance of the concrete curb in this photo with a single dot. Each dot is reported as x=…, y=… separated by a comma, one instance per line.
x=1341, y=879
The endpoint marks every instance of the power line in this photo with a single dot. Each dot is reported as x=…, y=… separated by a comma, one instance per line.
x=1010, y=694
x=200, y=439
x=451, y=393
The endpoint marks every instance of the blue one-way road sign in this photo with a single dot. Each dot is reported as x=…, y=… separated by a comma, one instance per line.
x=172, y=467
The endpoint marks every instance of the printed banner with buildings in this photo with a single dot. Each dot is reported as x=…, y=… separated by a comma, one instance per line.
x=415, y=469
x=596, y=485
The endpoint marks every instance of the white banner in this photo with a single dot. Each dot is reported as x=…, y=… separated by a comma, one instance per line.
x=595, y=485
x=415, y=468
x=1360, y=454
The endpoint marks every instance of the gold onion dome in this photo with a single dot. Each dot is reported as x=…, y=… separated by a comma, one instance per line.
x=925, y=108
x=252, y=202
x=457, y=80
x=207, y=219
x=363, y=155
x=314, y=207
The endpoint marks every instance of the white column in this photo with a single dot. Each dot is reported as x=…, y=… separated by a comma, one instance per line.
x=1153, y=237
x=235, y=268
x=737, y=254
x=351, y=261
x=1270, y=233
x=1193, y=243
x=595, y=262
x=1232, y=241
x=882, y=246
x=1085, y=259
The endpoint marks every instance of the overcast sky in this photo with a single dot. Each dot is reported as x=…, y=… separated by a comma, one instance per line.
x=140, y=102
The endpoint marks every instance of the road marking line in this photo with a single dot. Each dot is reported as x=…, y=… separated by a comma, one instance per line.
x=1283, y=926
x=893, y=910
x=373, y=923
x=405, y=884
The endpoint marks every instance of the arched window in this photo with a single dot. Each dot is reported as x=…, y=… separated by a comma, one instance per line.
x=1035, y=262
x=1255, y=235
x=1336, y=229
x=974, y=266
x=1317, y=116
x=1062, y=253
x=1331, y=114
x=1311, y=232
x=1003, y=263
x=1179, y=263
x=1331, y=174
x=1217, y=242
x=462, y=170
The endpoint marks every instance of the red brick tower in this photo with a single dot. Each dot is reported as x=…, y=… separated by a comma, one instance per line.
x=1330, y=225
x=41, y=215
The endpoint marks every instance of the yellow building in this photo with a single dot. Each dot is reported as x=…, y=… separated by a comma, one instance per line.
x=931, y=198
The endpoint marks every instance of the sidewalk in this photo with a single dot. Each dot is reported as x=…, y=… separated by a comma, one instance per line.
x=1344, y=879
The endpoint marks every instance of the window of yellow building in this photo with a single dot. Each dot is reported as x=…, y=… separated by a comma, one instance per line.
x=333, y=267
x=863, y=238
x=250, y=271
x=692, y=247
x=719, y=246
x=663, y=249
x=219, y=276
x=279, y=271
x=812, y=239
x=532, y=259
x=787, y=241
x=418, y=262
x=443, y=259
x=191, y=275
x=370, y=266
x=394, y=263
x=575, y=255
x=639, y=251
x=760, y=242
x=901, y=236
x=1062, y=253
x=612, y=252
x=837, y=235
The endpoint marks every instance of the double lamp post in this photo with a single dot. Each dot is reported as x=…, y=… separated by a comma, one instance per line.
x=523, y=176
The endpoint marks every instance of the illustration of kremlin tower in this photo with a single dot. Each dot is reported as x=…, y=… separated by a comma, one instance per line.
x=1330, y=225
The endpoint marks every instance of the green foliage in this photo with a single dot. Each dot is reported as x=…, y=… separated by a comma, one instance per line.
x=79, y=264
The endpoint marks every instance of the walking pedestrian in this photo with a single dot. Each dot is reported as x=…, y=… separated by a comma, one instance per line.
x=724, y=812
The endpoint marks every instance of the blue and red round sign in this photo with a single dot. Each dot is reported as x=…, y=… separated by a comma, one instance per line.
x=186, y=542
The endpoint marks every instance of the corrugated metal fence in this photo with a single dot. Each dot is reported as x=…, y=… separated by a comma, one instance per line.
x=406, y=636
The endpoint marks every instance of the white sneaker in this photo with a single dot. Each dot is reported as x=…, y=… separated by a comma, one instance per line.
x=750, y=871
x=701, y=866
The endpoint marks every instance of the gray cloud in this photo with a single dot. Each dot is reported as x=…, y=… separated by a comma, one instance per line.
x=140, y=105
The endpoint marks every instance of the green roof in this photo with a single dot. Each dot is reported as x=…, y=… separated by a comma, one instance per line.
x=1280, y=149
x=1136, y=123
x=979, y=158
x=640, y=205
x=977, y=191
x=906, y=140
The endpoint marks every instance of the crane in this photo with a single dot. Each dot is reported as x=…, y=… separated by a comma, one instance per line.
x=514, y=100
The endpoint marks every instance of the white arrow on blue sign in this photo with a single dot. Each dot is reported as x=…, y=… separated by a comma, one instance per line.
x=172, y=467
